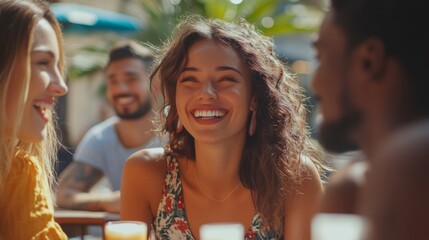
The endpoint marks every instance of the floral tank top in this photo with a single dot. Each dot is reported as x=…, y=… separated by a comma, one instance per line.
x=171, y=222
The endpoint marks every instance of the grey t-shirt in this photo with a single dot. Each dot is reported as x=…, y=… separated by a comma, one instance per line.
x=101, y=148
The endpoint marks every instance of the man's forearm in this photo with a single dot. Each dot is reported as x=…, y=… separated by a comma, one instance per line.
x=92, y=201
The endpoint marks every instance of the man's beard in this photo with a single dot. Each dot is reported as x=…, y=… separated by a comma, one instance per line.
x=335, y=136
x=143, y=109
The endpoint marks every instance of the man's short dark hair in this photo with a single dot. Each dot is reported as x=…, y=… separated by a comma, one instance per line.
x=131, y=49
x=401, y=26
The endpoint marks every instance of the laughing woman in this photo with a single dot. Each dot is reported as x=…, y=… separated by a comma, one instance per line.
x=239, y=148
x=31, y=63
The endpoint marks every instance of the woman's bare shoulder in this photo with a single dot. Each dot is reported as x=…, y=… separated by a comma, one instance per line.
x=147, y=161
x=143, y=179
x=310, y=177
x=148, y=155
x=343, y=188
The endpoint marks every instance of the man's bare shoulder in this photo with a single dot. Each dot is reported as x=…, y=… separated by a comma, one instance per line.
x=404, y=157
x=406, y=146
x=352, y=173
x=397, y=193
x=343, y=188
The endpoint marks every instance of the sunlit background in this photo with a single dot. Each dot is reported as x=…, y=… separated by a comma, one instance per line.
x=91, y=27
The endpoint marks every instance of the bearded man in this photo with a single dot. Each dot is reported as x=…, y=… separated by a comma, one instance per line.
x=106, y=146
x=371, y=83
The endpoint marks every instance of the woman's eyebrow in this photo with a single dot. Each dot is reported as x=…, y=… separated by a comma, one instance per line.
x=220, y=68
x=227, y=68
x=49, y=52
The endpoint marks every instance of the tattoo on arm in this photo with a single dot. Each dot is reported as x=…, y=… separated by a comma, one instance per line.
x=81, y=177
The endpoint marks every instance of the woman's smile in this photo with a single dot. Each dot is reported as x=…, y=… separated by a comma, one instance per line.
x=43, y=107
x=209, y=116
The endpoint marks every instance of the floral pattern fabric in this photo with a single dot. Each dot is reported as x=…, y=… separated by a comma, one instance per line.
x=171, y=221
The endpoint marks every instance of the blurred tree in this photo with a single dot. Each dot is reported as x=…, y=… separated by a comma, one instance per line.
x=272, y=17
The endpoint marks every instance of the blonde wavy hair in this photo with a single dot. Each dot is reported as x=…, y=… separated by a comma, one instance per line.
x=17, y=23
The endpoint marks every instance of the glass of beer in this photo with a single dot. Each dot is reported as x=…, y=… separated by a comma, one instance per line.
x=125, y=230
x=222, y=231
x=330, y=226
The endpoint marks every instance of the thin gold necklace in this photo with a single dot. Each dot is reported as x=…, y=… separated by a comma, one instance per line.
x=209, y=196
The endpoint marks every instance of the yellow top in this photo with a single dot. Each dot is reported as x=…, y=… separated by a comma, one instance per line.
x=26, y=208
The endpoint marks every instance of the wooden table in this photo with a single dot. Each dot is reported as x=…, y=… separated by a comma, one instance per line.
x=82, y=219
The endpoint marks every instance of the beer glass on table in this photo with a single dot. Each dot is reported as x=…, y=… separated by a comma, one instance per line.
x=125, y=230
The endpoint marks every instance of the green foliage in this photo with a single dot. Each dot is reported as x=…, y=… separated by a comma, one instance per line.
x=272, y=17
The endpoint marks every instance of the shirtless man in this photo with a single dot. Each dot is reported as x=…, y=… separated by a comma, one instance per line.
x=370, y=83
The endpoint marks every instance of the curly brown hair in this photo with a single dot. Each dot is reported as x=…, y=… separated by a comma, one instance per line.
x=270, y=164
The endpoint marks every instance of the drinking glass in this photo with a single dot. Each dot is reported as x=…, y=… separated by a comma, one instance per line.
x=125, y=230
x=222, y=231
x=328, y=226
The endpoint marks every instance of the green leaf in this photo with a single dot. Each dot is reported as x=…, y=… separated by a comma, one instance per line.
x=261, y=9
x=217, y=8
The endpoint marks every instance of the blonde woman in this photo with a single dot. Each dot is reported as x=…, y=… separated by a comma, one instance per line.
x=31, y=69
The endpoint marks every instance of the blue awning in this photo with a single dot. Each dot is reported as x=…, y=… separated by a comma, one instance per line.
x=76, y=17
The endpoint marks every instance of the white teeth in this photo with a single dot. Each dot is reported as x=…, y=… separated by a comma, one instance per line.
x=209, y=113
x=125, y=100
x=42, y=106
